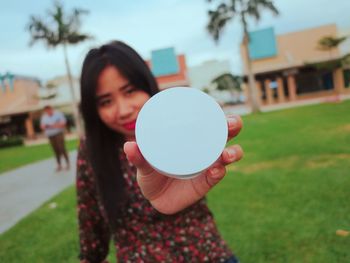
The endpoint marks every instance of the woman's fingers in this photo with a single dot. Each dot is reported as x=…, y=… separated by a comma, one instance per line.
x=218, y=170
x=215, y=174
x=231, y=154
x=135, y=157
x=235, y=125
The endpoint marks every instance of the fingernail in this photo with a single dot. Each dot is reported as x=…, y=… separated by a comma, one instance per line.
x=231, y=153
x=232, y=121
x=214, y=171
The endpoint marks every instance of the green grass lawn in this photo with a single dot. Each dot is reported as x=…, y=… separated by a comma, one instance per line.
x=17, y=156
x=282, y=203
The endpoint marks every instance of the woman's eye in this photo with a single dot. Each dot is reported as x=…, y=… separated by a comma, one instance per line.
x=104, y=103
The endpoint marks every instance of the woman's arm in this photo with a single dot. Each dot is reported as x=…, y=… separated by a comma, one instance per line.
x=94, y=233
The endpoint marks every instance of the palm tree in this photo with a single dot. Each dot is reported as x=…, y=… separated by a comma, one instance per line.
x=328, y=43
x=243, y=9
x=61, y=29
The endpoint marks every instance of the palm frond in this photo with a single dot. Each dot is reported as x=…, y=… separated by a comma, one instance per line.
x=255, y=8
x=41, y=31
x=73, y=20
x=58, y=28
x=218, y=20
x=75, y=37
x=330, y=42
x=268, y=5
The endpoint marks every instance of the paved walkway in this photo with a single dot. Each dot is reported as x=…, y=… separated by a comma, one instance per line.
x=26, y=188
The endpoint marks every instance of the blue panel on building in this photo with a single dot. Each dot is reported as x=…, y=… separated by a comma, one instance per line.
x=262, y=44
x=164, y=62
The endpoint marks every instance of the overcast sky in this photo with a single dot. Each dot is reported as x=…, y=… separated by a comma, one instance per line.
x=147, y=25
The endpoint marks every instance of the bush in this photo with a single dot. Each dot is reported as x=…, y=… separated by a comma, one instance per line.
x=10, y=141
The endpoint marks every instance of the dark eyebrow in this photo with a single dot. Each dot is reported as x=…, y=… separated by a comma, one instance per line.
x=124, y=87
x=106, y=95
x=102, y=96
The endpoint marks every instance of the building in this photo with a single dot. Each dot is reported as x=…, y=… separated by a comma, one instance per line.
x=291, y=67
x=169, y=69
x=61, y=90
x=23, y=98
x=202, y=75
x=18, y=99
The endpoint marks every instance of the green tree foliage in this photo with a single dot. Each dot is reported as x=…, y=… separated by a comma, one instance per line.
x=60, y=28
x=228, y=82
x=329, y=42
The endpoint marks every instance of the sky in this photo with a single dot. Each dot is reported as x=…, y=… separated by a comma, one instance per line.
x=146, y=26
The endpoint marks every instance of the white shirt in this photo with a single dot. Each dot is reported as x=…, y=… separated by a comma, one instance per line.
x=56, y=117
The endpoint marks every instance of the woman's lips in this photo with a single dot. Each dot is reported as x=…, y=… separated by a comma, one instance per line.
x=130, y=126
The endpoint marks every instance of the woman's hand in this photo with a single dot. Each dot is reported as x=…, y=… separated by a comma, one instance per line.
x=170, y=195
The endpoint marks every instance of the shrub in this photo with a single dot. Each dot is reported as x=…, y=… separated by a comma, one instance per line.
x=10, y=141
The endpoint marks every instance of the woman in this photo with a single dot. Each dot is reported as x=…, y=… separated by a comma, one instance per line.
x=151, y=217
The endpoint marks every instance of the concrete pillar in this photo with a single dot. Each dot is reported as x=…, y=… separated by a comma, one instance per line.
x=292, y=87
x=259, y=91
x=280, y=90
x=246, y=93
x=29, y=127
x=269, y=92
x=338, y=79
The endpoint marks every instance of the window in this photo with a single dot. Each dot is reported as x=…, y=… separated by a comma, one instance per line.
x=346, y=74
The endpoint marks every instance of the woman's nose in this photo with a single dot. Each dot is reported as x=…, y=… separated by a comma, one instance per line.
x=124, y=109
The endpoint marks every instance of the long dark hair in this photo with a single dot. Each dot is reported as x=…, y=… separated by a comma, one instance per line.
x=103, y=144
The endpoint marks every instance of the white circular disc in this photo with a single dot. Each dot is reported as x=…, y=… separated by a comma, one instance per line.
x=181, y=131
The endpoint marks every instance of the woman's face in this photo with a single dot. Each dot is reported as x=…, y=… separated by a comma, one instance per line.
x=119, y=102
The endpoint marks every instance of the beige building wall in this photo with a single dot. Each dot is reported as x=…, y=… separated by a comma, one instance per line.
x=344, y=47
x=294, y=49
x=22, y=98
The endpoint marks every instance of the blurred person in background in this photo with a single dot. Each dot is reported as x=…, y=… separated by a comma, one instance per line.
x=150, y=217
x=53, y=123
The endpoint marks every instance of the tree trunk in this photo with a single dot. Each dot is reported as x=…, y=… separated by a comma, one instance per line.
x=252, y=91
x=74, y=103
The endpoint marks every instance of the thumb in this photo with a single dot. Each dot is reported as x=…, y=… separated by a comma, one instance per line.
x=134, y=156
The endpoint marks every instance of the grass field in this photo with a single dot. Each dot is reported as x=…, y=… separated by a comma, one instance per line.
x=282, y=203
x=17, y=156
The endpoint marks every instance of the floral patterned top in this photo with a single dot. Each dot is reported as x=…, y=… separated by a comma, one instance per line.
x=142, y=233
